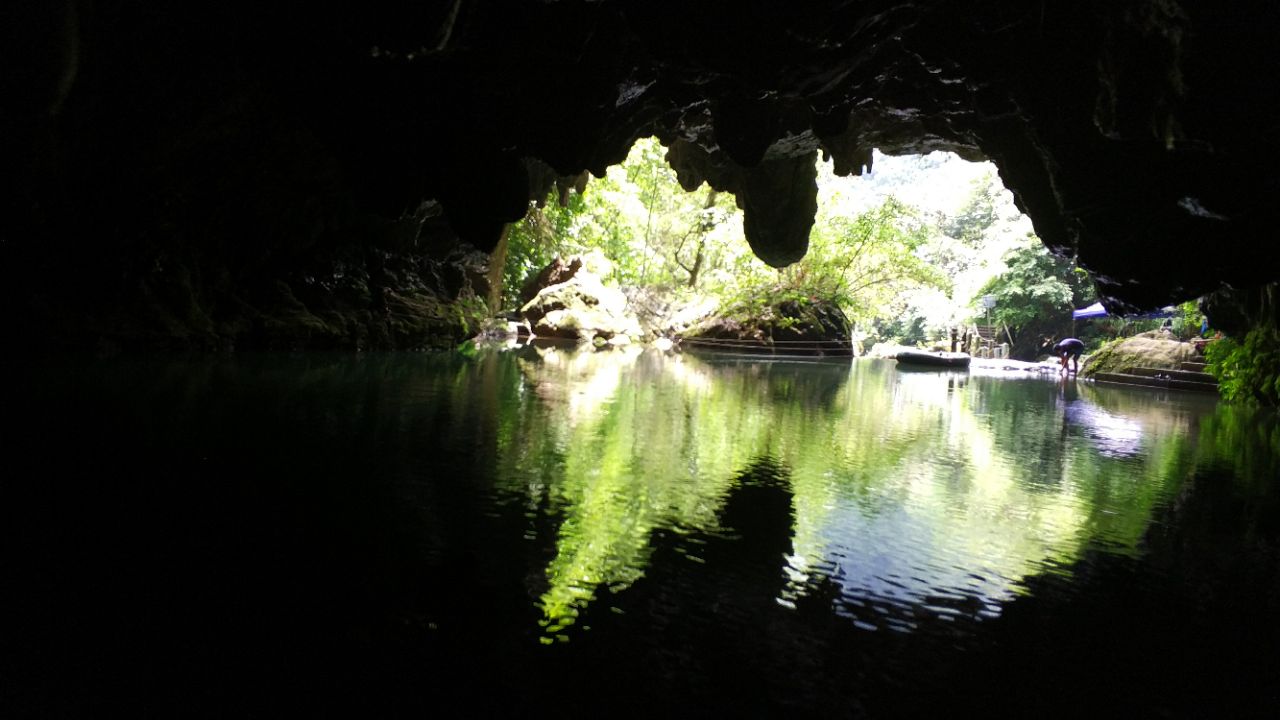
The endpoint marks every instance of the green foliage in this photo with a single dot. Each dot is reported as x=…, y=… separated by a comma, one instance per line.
x=1188, y=321
x=906, y=329
x=966, y=248
x=654, y=232
x=1036, y=284
x=968, y=229
x=532, y=243
x=886, y=265
x=861, y=263
x=1248, y=372
x=1036, y=291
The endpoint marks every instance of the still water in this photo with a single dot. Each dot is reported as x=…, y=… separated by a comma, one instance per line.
x=632, y=533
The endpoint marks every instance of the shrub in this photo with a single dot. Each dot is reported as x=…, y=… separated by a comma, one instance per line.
x=1248, y=372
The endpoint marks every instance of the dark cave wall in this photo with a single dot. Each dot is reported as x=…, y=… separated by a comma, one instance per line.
x=235, y=174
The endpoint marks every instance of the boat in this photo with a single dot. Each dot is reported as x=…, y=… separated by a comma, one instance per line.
x=937, y=359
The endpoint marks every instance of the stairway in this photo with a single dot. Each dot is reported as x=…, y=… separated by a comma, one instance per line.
x=1189, y=376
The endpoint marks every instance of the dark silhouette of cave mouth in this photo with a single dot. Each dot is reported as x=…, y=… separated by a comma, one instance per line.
x=228, y=174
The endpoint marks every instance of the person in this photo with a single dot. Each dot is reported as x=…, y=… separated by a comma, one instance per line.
x=1071, y=349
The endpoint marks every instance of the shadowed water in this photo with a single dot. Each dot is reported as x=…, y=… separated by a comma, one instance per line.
x=631, y=533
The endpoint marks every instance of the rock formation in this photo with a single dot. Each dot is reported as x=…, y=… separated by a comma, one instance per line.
x=181, y=169
x=790, y=327
x=570, y=301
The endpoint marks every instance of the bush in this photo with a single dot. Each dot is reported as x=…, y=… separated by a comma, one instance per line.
x=1188, y=321
x=1248, y=372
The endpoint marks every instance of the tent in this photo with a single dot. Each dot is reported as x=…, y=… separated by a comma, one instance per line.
x=1094, y=310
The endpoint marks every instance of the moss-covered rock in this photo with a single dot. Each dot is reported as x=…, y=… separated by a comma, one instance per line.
x=800, y=326
x=1151, y=350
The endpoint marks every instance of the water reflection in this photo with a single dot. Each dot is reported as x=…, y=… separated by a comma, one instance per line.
x=1114, y=435
x=918, y=496
x=707, y=532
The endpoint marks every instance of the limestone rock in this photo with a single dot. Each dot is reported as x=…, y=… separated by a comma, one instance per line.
x=580, y=306
x=1146, y=350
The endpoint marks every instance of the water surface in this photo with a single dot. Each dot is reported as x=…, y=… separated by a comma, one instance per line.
x=633, y=534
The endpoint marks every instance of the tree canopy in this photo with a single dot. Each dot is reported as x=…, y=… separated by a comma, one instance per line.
x=900, y=270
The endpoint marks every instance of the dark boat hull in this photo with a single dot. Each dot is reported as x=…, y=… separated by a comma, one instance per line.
x=923, y=359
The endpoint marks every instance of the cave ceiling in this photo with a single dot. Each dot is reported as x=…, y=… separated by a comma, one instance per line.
x=1138, y=136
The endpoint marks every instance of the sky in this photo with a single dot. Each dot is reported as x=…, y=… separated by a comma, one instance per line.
x=939, y=182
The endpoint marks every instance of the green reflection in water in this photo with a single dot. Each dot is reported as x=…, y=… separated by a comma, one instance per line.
x=626, y=444
x=908, y=488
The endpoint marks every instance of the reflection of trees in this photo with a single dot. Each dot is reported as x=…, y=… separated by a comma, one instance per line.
x=656, y=446
x=1245, y=441
x=323, y=496
x=907, y=487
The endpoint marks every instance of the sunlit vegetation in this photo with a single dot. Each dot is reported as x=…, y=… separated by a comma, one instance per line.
x=1248, y=370
x=1031, y=293
x=904, y=264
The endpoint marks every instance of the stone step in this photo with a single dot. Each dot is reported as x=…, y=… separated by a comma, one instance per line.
x=1171, y=383
x=1195, y=366
x=1189, y=375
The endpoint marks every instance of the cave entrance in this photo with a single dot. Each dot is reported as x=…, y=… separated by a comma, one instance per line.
x=904, y=254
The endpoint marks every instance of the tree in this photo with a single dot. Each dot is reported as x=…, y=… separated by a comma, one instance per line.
x=1035, y=295
x=962, y=235
x=979, y=213
x=697, y=235
x=865, y=261
x=655, y=233
x=965, y=245
x=535, y=241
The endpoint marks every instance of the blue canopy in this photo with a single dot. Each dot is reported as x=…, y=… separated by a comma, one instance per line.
x=1094, y=310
